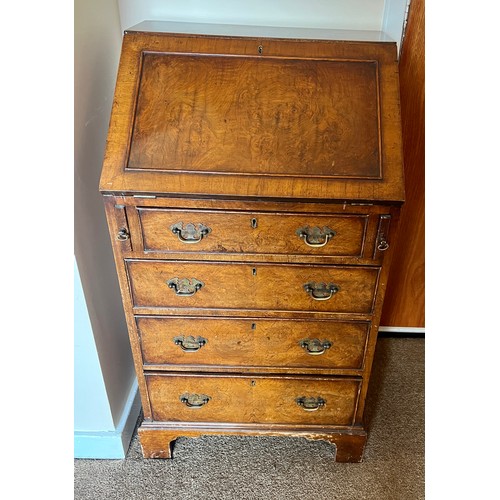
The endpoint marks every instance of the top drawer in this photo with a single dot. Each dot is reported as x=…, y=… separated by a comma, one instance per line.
x=168, y=230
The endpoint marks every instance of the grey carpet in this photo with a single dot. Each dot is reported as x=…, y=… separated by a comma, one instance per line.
x=233, y=468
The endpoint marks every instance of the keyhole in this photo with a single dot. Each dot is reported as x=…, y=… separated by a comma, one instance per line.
x=254, y=326
x=253, y=223
x=261, y=49
x=254, y=271
x=252, y=383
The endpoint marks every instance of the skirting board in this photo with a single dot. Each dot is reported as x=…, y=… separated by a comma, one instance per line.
x=402, y=330
x=111, y=444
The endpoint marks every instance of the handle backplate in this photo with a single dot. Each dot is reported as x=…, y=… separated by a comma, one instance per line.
x=310, y=403
x=189, y=343
x=321, y=291
x=314, y=236
x=194, y=400
x=190, y=233
x=315, y=347
x=185, y=287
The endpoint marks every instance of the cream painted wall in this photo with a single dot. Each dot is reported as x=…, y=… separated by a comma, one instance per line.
x=335, y=14
x=97, y=49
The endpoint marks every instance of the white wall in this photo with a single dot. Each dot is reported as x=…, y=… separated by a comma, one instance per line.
x=394, y=16
x=97, y=49
x=91, y=409
x=335, y=14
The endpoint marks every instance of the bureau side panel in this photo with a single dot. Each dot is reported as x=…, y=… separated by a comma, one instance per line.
x=377, y=310
x=119, y=233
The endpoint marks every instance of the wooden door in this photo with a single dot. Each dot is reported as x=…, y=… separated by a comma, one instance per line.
x=404, y=303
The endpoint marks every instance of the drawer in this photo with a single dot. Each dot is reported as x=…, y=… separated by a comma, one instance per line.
x=167, y=230
x=252, y=342
x=279, y=287
x=253, y=399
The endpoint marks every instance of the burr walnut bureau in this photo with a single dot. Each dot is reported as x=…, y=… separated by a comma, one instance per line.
x=252, y=184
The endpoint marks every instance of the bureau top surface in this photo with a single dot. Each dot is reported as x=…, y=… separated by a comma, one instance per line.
x=254, y=112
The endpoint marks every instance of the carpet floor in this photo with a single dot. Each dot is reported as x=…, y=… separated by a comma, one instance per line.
x=261, y=468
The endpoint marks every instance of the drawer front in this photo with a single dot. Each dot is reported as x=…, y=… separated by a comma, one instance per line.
x=255, y=399
x=219, y=285
x=252, y=342
x=165, y=230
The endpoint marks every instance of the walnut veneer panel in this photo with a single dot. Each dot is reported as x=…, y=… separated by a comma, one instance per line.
x=300, y=116
x=268, y=116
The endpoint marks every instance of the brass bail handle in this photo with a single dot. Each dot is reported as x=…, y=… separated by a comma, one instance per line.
x=314, y=236
x=190, y=233
x=194, y=400
x=321, y=291
x=190, y=343
x=310, y=403
x=315, y=347
x=184, y=287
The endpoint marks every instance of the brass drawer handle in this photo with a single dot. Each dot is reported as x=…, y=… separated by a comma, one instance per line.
x=310, y=404
x=189, y=343
x=321, y=291
x=190, y=233
x=195, y=400
x=185, y=287
x=123, y=234
x=314, y=236
x=315, y=347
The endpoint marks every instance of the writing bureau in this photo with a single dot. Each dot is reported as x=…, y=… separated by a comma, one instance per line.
x=252, y=184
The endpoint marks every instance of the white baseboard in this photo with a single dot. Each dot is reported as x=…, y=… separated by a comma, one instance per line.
x=401, y=329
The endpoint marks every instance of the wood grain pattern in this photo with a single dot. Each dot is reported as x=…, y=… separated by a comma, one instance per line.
x=248, y=115
x=254, y=232
x=255, y=342
x=253, y=399
x=116, y=177
x=405, y=301
x=157, y=440
x=250, y=147
x=252, y=287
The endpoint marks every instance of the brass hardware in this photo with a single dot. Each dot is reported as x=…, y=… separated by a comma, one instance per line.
x=314, y=236
x=189, y=343
x=260, y=49
x=310, y=404
x=185, y=287
x=321, y=291
x=194, y=400
x=382, y=244
x=315, y=347
x=254, y=271
x=190, y=233
x=253, y=222
x=123, y=234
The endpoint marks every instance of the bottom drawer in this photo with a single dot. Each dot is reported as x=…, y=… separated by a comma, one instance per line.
x=253, y=399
